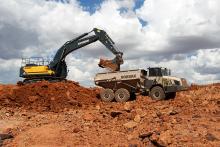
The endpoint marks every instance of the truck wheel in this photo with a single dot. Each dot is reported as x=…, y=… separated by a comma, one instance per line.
x=157, y=93
x=171, y=95
x=122, y=95
x=107, y=95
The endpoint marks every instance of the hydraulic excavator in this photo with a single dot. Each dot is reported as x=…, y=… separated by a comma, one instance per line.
x=56, y=70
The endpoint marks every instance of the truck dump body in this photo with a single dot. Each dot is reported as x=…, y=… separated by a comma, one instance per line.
x=130, y=79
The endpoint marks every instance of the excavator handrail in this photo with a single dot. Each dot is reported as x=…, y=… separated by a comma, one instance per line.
x=35, y=61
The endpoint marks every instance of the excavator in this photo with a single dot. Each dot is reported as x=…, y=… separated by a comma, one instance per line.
x=56, y=70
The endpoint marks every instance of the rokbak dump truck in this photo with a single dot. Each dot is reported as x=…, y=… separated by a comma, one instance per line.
x=156, y=82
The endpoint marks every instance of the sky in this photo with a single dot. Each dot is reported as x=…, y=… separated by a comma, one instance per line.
x=180, y=35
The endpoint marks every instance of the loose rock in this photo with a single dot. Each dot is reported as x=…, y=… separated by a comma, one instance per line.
x=115, y=114
x=130, y=124
x=88, y=117
x=32, y=98
x=137, y=118
x=211, y=137
x=145, y=135
x=127, y=106
x=5, y=136
x=165, y=138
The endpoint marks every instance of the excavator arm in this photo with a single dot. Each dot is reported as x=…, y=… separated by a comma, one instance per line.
x=109, y=43
x=58, y=63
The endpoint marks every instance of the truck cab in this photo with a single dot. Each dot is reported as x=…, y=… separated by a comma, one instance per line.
x=160, y=84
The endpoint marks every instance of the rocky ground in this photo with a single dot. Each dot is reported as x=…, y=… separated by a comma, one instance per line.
x=66, y=114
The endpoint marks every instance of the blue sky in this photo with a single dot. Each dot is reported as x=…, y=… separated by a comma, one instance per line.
x=91, y=5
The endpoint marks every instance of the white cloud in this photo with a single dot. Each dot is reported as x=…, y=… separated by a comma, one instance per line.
x=176, y=35
x=172, y=22
x=129, y=4
x=202, y=67
x=9, y=70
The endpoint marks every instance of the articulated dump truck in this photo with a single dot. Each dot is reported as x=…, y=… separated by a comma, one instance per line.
x=156, y=82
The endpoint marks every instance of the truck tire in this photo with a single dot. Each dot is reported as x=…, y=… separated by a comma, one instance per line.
x=157, y=93
x=171, y=95
x=107, y=95
x=122, y=95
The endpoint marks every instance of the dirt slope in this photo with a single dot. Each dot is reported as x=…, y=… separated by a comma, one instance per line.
x=45, y=96
x=191, y=119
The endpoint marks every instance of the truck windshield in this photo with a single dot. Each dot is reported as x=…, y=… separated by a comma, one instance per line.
x=159, y=72
x=165, y=72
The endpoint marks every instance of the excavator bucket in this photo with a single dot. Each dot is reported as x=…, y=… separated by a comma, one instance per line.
x=109, y=64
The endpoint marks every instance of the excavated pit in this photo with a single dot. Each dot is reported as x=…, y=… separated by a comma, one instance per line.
x=67, y=114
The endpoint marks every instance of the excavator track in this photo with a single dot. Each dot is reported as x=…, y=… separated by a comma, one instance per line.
x=35, y=80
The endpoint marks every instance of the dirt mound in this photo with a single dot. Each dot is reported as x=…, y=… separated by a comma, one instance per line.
x=191, y=119
x=45, y=96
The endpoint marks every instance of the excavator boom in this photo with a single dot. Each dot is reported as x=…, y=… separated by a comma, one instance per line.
x=58, y=64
